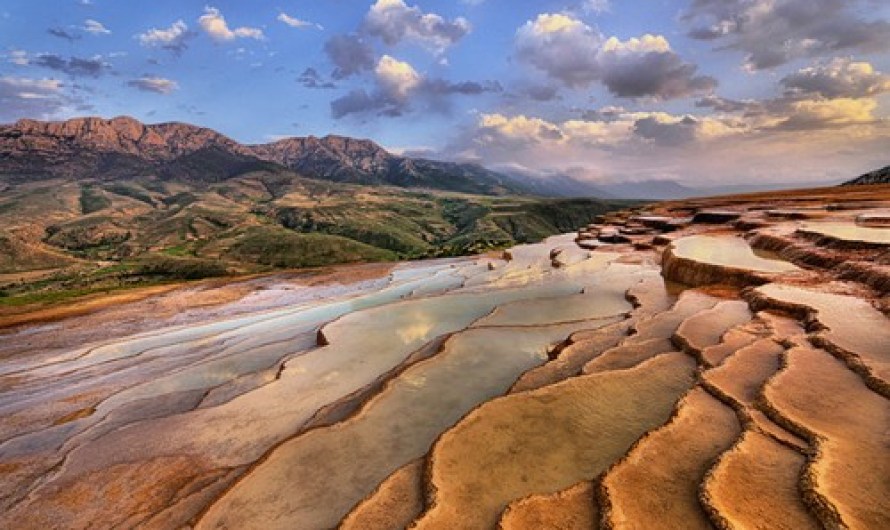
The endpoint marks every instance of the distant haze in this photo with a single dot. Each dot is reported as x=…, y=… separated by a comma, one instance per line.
x=697, y=93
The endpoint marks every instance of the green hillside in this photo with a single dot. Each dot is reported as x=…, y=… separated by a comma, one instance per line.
x=93, y=233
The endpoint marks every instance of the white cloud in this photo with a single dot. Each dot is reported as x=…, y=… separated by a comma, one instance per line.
x=158, y=85
x=398, y=86
x=297, y=23
x=840, y=77
x=831, y=113
x=645, y=44
x=561, y=46
x=172, y=38
x=215, y=25
x=19, y=57
x=772, y=33
x=397, y=78
x=597, y=6
x=33, y=98
x=576, y=55
x=32, y=88
x=393, y=21
x=95, y=27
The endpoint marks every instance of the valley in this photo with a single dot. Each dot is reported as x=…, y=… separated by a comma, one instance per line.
x=68, y=230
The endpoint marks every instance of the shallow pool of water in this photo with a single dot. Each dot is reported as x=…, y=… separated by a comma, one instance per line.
x=850, y=232
x=729, y=251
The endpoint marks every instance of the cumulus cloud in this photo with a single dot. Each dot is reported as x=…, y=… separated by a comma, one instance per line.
x=357, y=101
x=157, y=85
x=825, y=96
x=22, y=96
x=396, y=78
x=612, y=143
x=576, y=55
x=95, y=27
x=395, y=81
x=564, y=48
x=397, y=85
x=518, y=131
x=838, y=78
x=214, y=24
x=295, y=22
x=73, y=66
x=773, y=32
x=350, y=55
x=648, y=67
x=670, y=130
x=828, y=114
x=605, y=128
x=394, y=21
x=175, y=38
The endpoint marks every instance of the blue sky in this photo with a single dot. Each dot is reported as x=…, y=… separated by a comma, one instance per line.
x=695, y=90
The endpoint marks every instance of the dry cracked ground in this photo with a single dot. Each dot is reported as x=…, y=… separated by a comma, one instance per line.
x=719, y=363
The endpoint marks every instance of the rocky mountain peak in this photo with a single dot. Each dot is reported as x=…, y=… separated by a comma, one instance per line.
x=124, y=147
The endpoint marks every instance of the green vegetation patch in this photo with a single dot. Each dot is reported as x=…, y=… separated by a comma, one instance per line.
x=131, y=191
x=179, y=268
x=281, y=248
x=92, y=200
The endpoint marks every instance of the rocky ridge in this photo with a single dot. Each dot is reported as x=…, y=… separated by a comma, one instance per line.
x=124, y=147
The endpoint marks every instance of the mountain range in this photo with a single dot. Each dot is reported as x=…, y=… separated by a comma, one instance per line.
x=123, y=147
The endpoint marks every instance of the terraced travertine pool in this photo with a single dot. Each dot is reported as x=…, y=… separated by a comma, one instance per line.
x=551, y=384
x=730, y=251
x=850, y=232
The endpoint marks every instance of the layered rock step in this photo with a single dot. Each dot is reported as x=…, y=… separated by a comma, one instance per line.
x=845, y=479
x=852, y=328
x=222, y=438
x=863, y=263
x=656, y=484
x=740, y=379
x=393, y=428
x=756, y=485
x=573, y=355
x=496, y=454
x=721, y=259
x=662, y=325
x=573, y=508
x=734, y=339
x=706, y=329
x=846, y=235
x=649, y=296
x=628, y=355
x=395, y=503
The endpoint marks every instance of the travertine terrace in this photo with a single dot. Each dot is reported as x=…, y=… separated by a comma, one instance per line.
x=712, y=363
